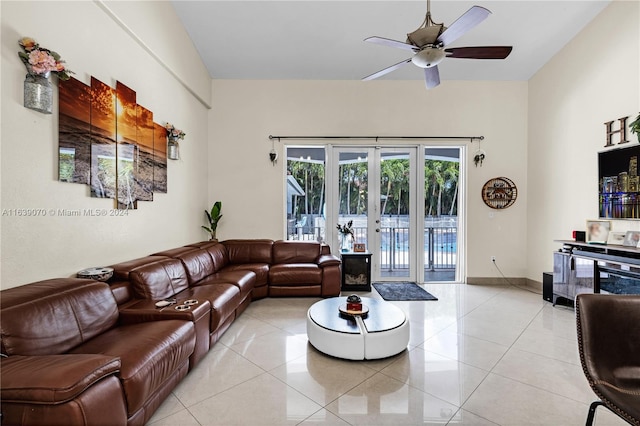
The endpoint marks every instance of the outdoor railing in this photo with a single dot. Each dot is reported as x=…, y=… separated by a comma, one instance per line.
x=440, y=246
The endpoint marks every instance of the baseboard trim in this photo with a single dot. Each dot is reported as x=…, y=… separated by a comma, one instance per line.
x=516, y=281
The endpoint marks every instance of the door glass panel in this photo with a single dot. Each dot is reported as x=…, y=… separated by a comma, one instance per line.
x=305, y=193
x=411, y=230
x=353, y=192
x=441, y=184
x=395, y=251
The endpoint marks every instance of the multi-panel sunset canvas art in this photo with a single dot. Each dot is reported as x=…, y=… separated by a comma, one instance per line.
x=74, y=141
x=108, y=141
x=103, y=140
x=126, y=134
x=144, y=136
x=160, y=159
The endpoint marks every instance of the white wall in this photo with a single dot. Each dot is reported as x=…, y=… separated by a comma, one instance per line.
x=245, y=113
x=93, y=43
x=594, y=79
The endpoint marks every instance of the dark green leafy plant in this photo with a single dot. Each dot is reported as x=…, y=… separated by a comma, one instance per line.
x=635, y=127
x=213, y=217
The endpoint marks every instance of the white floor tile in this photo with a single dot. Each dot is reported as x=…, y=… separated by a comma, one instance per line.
x=263, y=400
x=480, y=355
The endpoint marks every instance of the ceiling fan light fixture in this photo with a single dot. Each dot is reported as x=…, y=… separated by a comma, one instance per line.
x=428, y=57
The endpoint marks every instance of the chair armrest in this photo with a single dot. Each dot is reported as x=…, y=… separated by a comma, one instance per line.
x=52, y=379
x=328, y=260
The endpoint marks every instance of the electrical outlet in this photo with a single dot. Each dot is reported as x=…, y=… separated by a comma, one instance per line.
x=493, y=259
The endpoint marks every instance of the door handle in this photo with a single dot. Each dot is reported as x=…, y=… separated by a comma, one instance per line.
x=378, y=221
x=377, y=229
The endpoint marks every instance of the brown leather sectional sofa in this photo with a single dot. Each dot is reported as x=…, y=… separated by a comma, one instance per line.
x=83, y=352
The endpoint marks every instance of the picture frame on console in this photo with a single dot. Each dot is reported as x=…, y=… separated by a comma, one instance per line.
x=359, y=248
x=598, y=231
x=616, y=238
x=631, y=239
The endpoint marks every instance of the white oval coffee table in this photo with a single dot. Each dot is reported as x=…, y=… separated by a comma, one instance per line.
x=381, y=333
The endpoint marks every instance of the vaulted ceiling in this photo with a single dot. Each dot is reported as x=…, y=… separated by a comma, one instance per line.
x=323, y=40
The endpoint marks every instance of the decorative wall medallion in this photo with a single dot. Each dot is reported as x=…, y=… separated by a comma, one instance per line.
x=499, y=193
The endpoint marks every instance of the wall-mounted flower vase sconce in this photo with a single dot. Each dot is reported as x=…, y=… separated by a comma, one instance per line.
x=38, y=93
x=173, y=137
x=40, y=63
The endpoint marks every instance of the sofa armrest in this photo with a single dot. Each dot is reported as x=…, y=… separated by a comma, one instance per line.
x=145, y=311
x=52, y=379
x=328, y=260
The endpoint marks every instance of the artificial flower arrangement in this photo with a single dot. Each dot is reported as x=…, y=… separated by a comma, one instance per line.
x=346, y=229
x=173, y=133
x=40, y=61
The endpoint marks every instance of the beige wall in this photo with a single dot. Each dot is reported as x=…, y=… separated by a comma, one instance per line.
x=594, y=79
x=245, y=113
x=93, y=43
x=544, y=134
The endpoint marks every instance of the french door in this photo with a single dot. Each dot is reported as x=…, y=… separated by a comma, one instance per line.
x=406, y=205
x=375, y=189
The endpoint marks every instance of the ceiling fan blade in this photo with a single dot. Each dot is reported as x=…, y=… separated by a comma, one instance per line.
x=431, y=77
x=390, y=43
x=386, y=70
x=479, y=52
x=466, y=22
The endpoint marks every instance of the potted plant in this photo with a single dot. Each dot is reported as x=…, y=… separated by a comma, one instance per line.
x=635, y=127
x=213, y=217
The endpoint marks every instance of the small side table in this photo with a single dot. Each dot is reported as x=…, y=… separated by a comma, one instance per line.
x=356, y=271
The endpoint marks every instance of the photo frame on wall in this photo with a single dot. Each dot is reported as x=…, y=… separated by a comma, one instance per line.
x=598, y=231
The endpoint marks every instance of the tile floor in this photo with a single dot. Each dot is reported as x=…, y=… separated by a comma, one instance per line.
x=480, y=355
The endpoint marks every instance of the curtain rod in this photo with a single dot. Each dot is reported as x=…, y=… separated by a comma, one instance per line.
x=472, y=138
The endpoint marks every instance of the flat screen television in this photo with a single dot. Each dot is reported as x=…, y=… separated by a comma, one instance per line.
x=619, y=183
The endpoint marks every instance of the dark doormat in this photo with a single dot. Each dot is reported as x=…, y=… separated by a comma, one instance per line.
x=398, y=291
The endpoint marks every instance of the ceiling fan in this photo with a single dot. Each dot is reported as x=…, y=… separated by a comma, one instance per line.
x=429, y=45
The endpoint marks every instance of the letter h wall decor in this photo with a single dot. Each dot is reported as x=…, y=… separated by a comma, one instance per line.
x=109, y=142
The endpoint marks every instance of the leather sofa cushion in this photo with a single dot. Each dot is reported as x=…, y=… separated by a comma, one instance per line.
x=51, y=317
x=219, y=255
x=224, y=299
x=243, y=279
x=122, y=270
x=295, y=252
x=198, y=264
x=260, y=269
x=249, y=251
x=53, y=378
x=102, y=404
x=295, y=274
x=121, y=291
x=295, y=291
x=175, y=252
x=150, y=353
x=159, y=280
